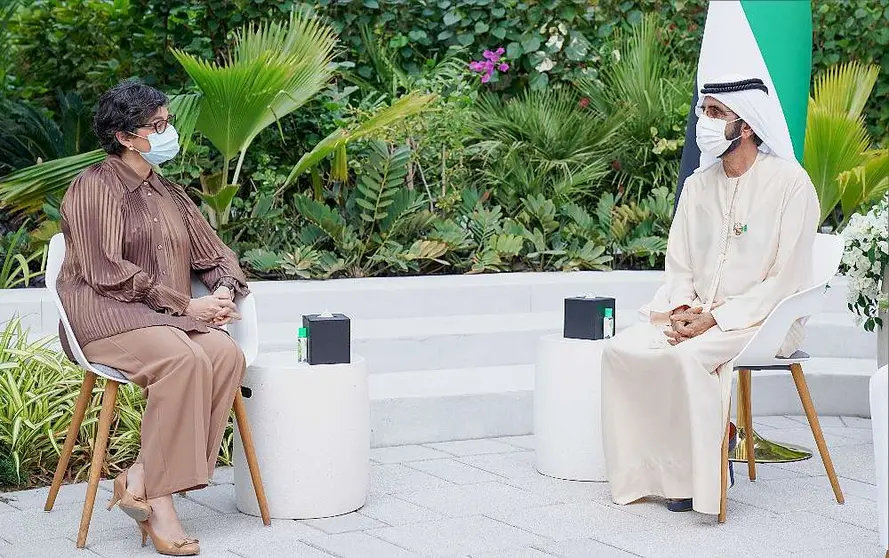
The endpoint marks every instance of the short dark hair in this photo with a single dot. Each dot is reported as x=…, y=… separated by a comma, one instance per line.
x=123, y=108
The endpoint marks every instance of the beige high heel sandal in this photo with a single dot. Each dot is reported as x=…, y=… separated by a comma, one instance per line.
x=132, y=505
x=184, y=547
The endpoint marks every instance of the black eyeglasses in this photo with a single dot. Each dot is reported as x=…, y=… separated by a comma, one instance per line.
x=159, y=126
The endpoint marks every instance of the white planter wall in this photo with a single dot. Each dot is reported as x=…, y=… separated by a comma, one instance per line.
x=452, y=357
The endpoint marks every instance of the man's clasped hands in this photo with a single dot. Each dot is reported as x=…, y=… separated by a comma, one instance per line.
x=687, y=322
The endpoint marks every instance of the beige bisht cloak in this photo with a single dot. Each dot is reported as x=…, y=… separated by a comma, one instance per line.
x=737, y=246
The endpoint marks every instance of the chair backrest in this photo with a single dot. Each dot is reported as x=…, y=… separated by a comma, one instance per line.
x=826, y=257
x=245, y=332
x=762, y=348
x=54, y=258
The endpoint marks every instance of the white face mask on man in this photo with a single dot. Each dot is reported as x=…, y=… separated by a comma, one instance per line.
x=710, y=135
x=164, y=146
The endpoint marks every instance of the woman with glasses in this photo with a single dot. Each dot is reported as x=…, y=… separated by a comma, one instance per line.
x=134, y=239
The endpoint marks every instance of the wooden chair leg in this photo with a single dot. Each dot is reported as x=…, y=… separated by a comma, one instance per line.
x=723, y=488
x=803, y=388
x=83, y=400
x=250, y=454
x=746, y=400
x=109, y=398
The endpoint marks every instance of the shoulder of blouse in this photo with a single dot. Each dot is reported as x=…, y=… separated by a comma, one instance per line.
x=94, y=181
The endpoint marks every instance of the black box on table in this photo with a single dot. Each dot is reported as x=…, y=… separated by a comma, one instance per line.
x=589, y=317
x=329, y=338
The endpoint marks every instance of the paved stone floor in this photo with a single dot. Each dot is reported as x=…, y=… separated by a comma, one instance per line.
x=483, y=498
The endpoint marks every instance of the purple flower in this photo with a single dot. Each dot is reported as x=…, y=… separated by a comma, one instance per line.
x=494, y=56
x=489, y=64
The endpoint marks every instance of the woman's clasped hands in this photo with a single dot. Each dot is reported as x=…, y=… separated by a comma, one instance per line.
x=217, y=309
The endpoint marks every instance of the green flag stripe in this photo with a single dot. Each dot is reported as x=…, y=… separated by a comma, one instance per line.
x=783, y=32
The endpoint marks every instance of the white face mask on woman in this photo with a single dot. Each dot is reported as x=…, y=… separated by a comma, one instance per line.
x=164, y=146
x=710, y=135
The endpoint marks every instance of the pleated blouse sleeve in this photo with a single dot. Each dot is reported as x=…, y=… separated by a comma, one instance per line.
x=93, y=223
x=214, y=263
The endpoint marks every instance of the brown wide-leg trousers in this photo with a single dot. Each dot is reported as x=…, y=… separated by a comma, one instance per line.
x=189, y=380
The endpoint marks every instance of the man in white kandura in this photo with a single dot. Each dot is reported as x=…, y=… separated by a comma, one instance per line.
x=740, y=242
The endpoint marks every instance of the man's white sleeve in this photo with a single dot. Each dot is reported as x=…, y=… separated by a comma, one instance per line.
x=679, y=289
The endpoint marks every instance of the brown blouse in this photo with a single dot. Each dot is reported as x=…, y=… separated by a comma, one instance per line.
x=132, y=245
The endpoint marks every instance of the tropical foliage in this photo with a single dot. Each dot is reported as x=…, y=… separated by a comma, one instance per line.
x=296, y=117
x=23, y=261
x=39, y=388
x=838, y=155
x=646, y=90
x=384, y=226
x=274, y=69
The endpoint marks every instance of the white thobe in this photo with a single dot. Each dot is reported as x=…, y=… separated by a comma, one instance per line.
x=737, y=247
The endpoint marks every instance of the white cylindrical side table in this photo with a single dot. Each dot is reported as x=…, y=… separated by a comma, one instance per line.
x=567, y=409
x=311, y=429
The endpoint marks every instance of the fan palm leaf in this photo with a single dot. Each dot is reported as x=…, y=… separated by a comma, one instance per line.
x=274, y=69
x=834, y=144
x=547, y=126
x=866, y=183
x=844, y=89
x=835, y=153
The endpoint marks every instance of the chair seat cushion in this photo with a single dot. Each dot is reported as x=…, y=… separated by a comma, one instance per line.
x=110, y=373
x=781, y=363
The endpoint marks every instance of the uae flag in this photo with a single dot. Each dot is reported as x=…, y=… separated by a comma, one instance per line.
x=766, y=39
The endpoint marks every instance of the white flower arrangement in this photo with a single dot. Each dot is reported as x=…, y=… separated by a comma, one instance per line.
x=865, y=260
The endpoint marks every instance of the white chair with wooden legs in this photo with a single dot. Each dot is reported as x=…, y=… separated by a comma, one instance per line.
x=243, y=332
x=759, y=354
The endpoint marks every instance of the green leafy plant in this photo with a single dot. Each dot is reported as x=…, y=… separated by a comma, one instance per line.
x=846, y=171
x=39, y=389
x=273, y=70
x=408, y=105
x=371, y=231
x=7, y=10
x=18, y=269
x=541, y=143
x=26, y=190
x=643, y=83
x=847, y=30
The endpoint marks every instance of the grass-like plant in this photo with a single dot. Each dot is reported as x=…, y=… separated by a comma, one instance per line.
x=38, y=391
